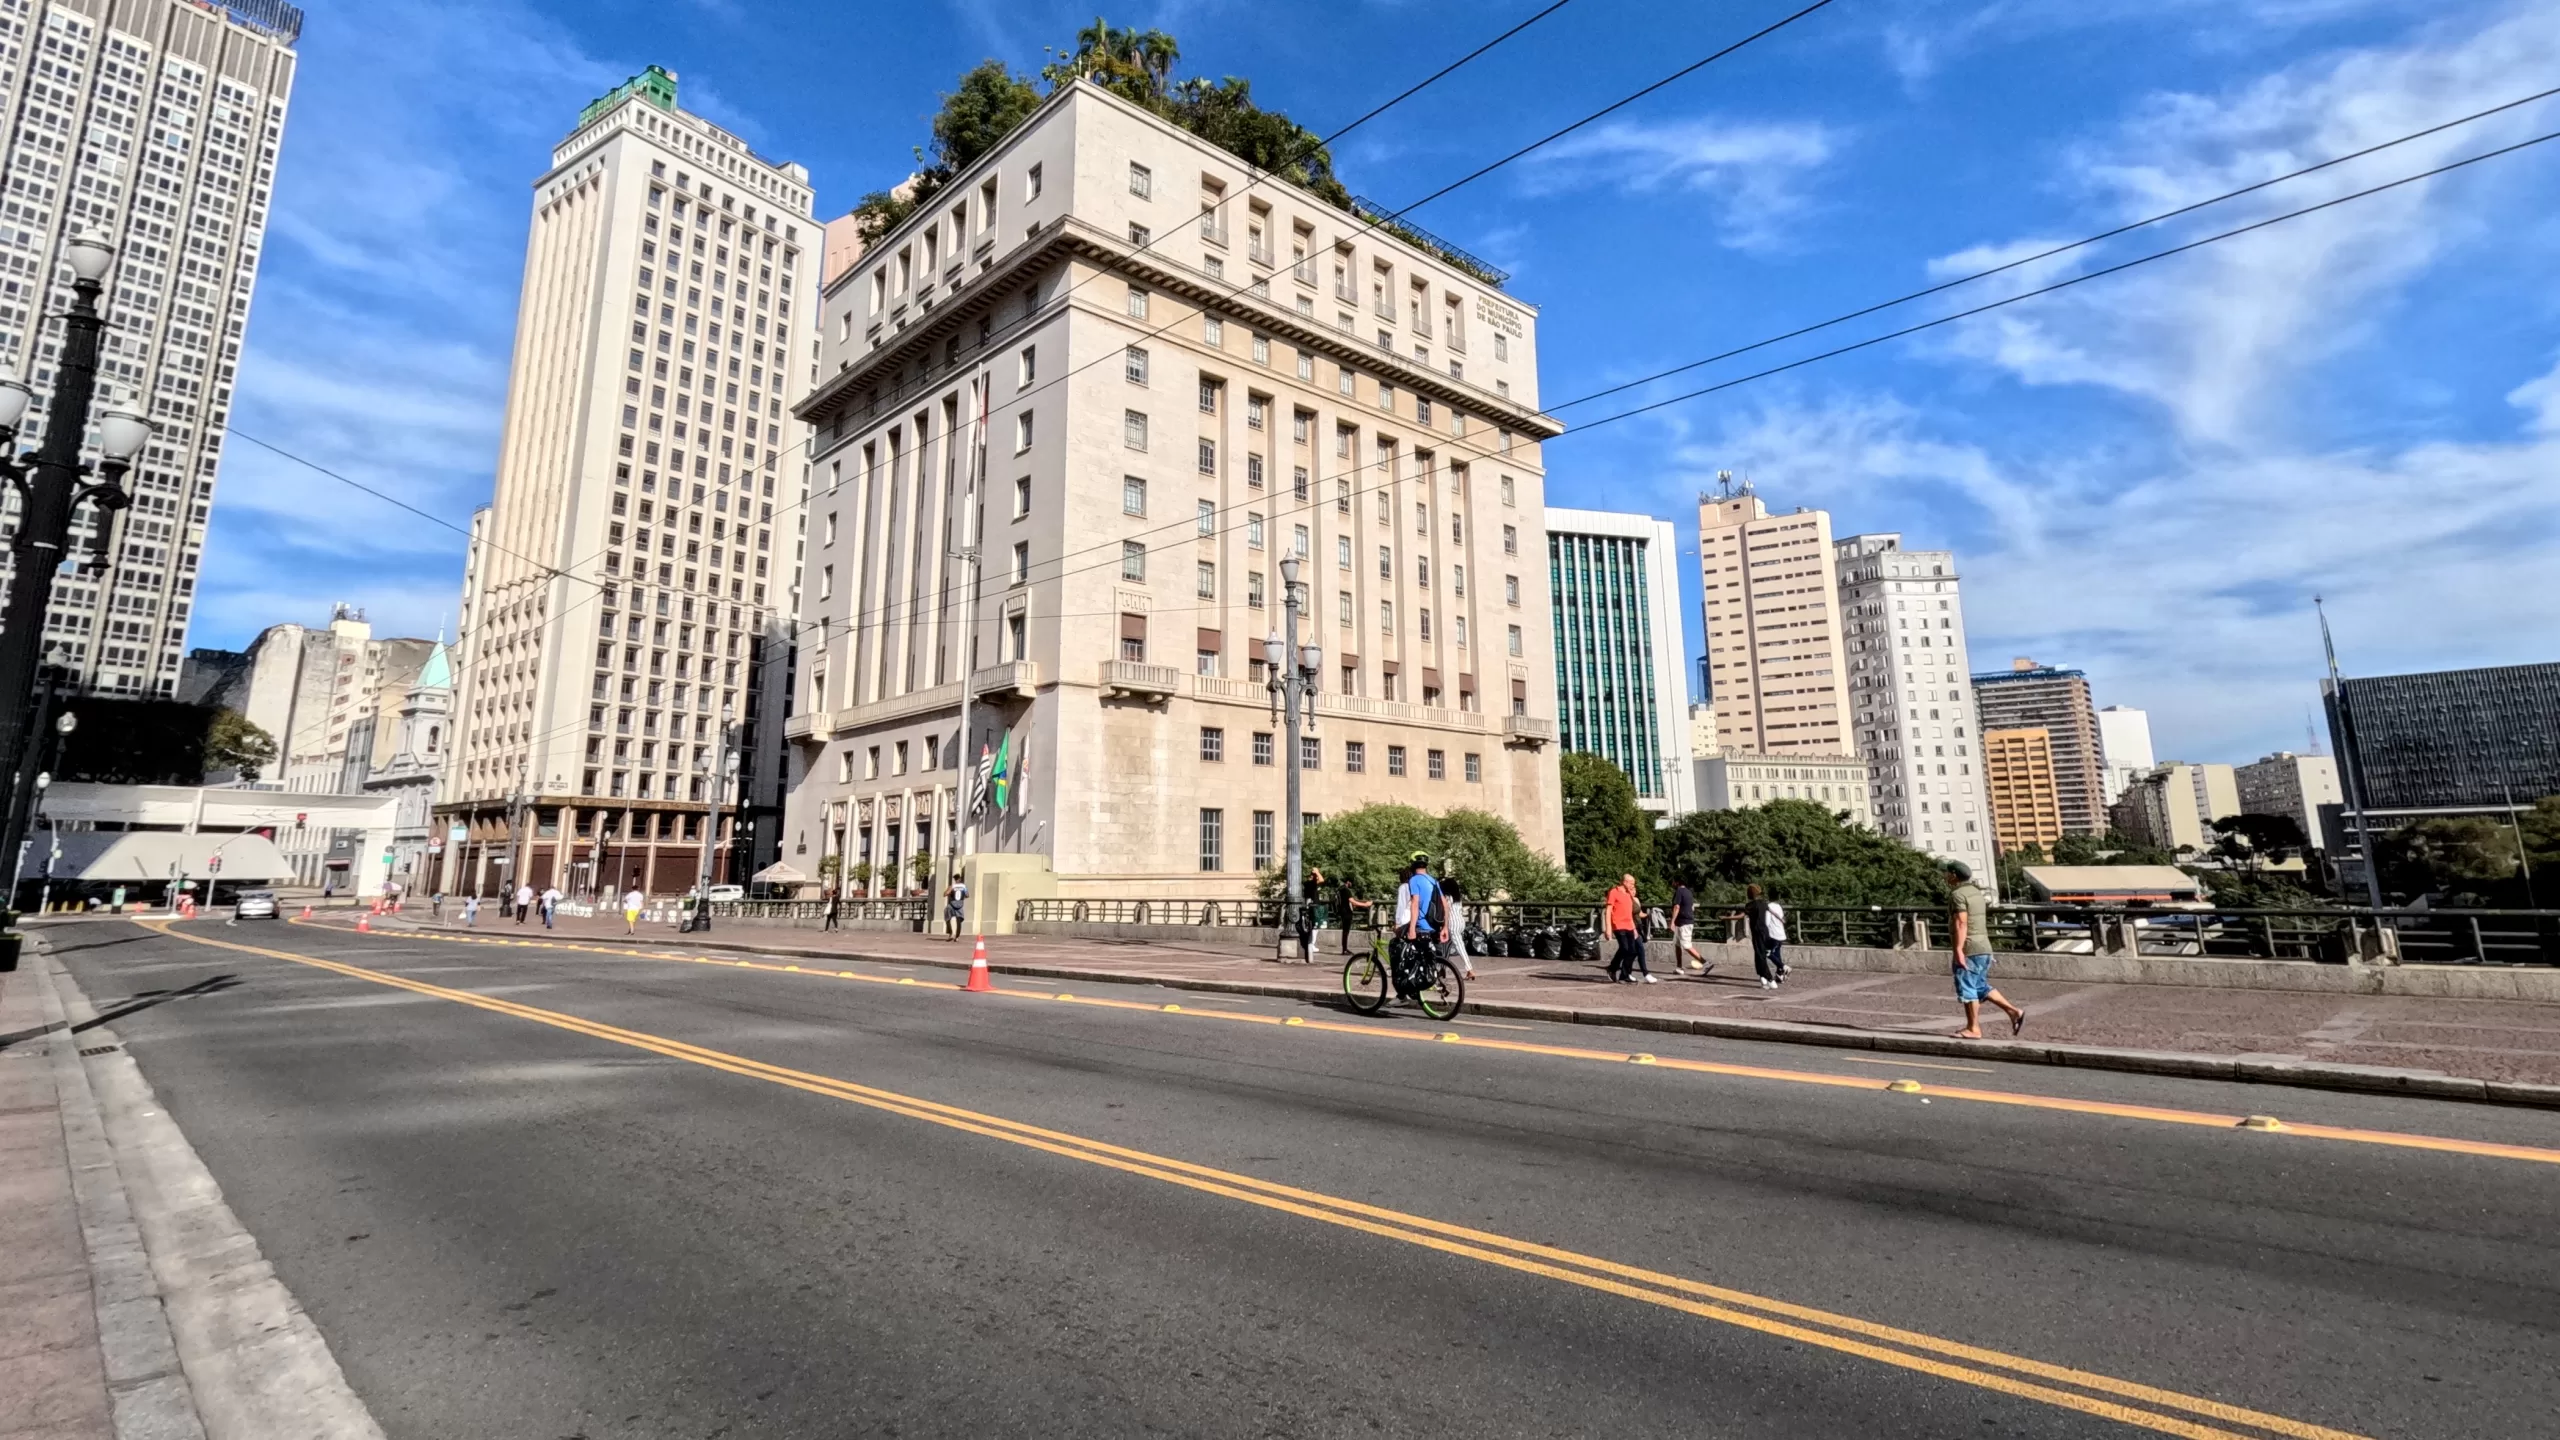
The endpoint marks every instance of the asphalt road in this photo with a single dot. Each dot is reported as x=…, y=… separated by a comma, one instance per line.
x=647, y=1197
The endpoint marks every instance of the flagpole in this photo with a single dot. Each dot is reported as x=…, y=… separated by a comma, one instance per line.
x=965, y=841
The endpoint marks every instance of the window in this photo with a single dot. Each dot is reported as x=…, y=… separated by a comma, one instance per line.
x=1514, y=639
x=871, y=763
x=1253, y=588
x=1345, y=384
x=1137, y=303
x=1306, y=365
x=1208, y=456
x=1436, y=764
x=898, y=758
x=1133, y=365
x=1261, y=349
x=1386, y=396
x=1386, y=563
x=1142, y=181
x=1026, y=366
x=1501, y=346
x=1133, y=429
x=1213, y=839
x=1342, y=497
x=1209, y=397
x=1510, y=537
x=1302, y=543
x=1462, y=632
x=1395, y=760
x=1141, y=236
x=1021, y=496
x=1133, y=495
x=826, y=582
x=1458, y=580
x=1300, y=423
x=1422, y=571
x=1355, y=757
x=1425, y=615
x=1262, y=839
x=1213, y=331
x=1213, y=743
x=1475, y=768
x=1310, y=752
x=1255, y=407
x=1133, y=560
x=1133, y=637
x=1510, y=589
x=1021, y=562
x=1031, y=183
x=1298, y=483
x=1342, y=608
x=1261, y=747
x=1022, y=432
x=1506, y=490
x=1253, y=471
x=1387, y=617
x=1208, y=517
x=1253, y=529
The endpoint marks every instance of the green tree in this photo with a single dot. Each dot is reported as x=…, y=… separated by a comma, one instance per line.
x=2467, y=859
x=989, y=104
x=1605, y=834
x=1369, y=847
x=1798, y=851
x=233, y=743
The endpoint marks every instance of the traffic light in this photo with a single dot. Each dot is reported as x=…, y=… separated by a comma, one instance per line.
x=300, y=817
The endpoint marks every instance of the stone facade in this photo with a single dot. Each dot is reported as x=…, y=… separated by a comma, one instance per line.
x=1186, y=372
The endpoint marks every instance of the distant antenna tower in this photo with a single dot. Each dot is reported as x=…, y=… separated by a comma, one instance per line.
x=1724, y=484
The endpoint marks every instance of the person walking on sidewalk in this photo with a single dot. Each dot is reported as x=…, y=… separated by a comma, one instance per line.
x=524, y=902
x=1457, y=894
x=1346, y=900
x=1619, y=914
x=1767, y=960
x=955, y=905
x=550, y=905
x=835, y=900
x=632, y=900
x=1309, y=917
x=1969, y=922
x=1684, y=931
x=470, y=912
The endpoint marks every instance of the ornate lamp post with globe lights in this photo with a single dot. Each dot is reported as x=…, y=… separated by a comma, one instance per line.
x=51, y=484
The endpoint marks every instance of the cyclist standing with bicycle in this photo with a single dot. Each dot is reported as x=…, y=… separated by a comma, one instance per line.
x=1408, y=962
x=1419, y=905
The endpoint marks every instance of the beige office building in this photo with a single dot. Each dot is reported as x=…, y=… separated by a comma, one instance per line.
x=1730, y=780
x=2294, y=786
x=155, y=124
x=1191, y=372
x=1904, y=614
x=1774, y=658
x=624, y=586
x=2026, y=805
x=2174, y=806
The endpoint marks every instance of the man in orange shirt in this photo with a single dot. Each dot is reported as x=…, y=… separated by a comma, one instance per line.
x=1619, y=913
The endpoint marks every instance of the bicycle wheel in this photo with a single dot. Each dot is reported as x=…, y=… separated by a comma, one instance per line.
x=1364, y=983
x=1445, y=995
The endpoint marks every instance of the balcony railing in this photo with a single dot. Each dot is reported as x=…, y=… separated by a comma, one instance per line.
x=1529, y=729
x=1427, y=242
x=1139, y=680
x=1011, y=680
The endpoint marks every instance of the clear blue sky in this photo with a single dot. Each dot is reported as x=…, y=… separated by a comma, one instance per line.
x=2147, y=476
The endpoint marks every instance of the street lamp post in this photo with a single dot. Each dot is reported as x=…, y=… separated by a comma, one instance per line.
x=50, y=487
x=718, y=766
x=1293, y=675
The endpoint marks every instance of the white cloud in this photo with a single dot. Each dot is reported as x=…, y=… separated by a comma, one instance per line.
x=1756, y=169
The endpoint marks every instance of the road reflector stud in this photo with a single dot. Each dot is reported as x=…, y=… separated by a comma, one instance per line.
x=2262, y=1122
x=1447, y=1037
x=979, y=980
x=790, y=967
x=1292, y=1020
x=1639, y=1059
x=1904, y=1087
x=1173, y=1009
x=906, y=979
x=1063, y=995
x=844, y=975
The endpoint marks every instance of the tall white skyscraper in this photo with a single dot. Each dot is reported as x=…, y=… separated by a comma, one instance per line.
x=2124, y=739
x=1910, y=697
x=624, y=585
x=154, y=124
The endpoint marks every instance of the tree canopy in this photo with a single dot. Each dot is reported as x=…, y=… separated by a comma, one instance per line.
x=1606, y=835
x=232, y=742
x=1797, y=851
x=1370, y=846
x=1136, y=65
x=2477, y=859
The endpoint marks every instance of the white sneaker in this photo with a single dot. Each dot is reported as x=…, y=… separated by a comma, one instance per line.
x=1649, y=980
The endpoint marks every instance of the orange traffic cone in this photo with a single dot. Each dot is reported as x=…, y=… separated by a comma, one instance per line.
x=306, y=912
x=365, y=923
x=978, y=979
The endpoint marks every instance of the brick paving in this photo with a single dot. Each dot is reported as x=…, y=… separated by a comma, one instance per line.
x=2502, y=1040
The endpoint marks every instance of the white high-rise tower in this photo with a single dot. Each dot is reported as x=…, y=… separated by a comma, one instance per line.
x=1911, y=698
x=154, y=124
x=623, y=586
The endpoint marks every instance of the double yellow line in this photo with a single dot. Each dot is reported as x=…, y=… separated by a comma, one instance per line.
x=2148, y=1407
x=2156, y=1114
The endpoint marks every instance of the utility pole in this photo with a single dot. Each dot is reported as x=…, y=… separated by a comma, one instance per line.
x=49, y=490
x=2351, y=763
x=1293, y=676
x=718, y=765
x=515, y=840
x=964, y=835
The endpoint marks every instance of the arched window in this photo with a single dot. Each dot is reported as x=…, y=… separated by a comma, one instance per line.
x=433, y=733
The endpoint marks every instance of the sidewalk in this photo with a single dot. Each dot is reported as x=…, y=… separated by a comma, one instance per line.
x=85, y=1349
x=2505, y=1050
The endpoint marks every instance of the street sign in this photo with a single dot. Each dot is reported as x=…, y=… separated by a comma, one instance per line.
x=457, y=834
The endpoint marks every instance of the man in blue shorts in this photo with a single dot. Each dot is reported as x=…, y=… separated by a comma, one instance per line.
x=1969, y=922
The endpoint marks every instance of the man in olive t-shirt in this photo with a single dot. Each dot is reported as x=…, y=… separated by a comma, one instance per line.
x=1969, y=923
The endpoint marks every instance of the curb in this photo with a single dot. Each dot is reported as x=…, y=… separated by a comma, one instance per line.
x=2359, y=1079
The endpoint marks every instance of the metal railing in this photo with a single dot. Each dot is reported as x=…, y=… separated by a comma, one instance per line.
x=915, y=908
x=1411, y=233
x=1247, y=912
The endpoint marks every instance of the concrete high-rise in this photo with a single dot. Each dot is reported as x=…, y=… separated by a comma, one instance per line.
x=625, y=591
x=2056, y=701
x=2124, y=743
x=2173, y=806
x=1622, y=688
x=2026, y=809
x=2290, y=785
x=154, y=124
x=1191, y=373
x=1913, y=713
x=2449, y=741
x=327, y=696
x=1773, y=655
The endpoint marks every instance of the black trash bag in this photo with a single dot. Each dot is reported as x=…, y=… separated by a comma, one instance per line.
x=1516, y=944
x=1549, y=944
x=1582, y=945
x=1476, y=940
